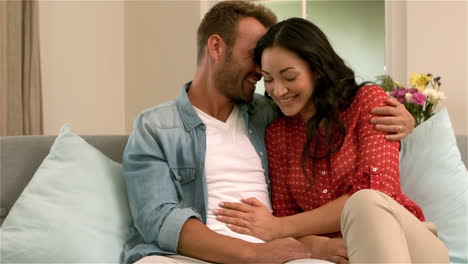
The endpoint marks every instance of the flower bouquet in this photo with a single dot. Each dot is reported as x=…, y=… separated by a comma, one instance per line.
x=420, y=99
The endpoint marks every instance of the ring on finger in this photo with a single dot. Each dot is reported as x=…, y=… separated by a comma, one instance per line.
x=399, y=129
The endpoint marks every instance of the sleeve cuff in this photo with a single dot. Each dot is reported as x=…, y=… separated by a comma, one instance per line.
x=170, y=230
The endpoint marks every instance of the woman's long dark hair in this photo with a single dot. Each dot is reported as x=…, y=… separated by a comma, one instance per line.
x=334, y=89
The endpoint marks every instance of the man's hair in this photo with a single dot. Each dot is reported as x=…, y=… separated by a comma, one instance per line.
x=223, y=18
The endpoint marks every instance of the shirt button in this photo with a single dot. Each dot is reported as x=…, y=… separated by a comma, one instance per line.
x=261, y=153
x=250, y=131
x=178, y=177
x=324, y=190
x=324, y=172
x=374, y=169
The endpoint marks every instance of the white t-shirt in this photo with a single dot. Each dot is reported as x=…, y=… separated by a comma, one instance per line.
x=233, y=168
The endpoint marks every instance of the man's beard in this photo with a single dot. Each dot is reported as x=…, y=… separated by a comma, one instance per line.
x=229, y=81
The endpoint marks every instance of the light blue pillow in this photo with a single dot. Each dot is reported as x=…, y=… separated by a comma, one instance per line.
x=74, y=209
x=433, y=175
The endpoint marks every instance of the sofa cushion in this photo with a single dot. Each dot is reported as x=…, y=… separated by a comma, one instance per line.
x=20, y=156
x=74, y=210
x=433, y=175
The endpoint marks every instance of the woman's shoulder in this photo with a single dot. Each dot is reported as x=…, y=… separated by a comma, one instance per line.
x=370, y=96
x=370, y=92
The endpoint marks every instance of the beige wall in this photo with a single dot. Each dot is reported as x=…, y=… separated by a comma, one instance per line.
x=433, y=39
x=82, y=55
x=443, y=54
x=160, y=52
x=103, y=62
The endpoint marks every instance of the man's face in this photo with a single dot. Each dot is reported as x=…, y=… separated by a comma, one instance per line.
x=237, y=76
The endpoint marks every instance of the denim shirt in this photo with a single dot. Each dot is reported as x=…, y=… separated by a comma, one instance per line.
x=164, y=169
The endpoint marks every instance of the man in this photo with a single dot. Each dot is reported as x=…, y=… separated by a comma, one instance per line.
x=207, y=146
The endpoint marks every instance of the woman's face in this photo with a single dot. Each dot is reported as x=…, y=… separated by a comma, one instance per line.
x=289, y=80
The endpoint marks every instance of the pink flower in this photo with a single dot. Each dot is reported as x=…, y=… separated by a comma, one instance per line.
x=399, y=94
x=418, y=98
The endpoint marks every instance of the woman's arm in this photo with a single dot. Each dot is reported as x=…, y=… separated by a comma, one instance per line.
x=377, y=169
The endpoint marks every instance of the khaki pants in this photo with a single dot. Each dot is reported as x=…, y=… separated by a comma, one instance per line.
x=377, y=229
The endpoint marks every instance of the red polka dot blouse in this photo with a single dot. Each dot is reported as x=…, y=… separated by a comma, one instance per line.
x=365, y=161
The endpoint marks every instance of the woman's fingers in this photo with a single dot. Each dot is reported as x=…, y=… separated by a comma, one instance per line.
x=253, y=202
x=232, y=221
x=230, y=213
x=236, y=206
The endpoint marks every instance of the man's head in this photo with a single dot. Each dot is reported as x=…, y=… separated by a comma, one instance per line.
x=223, y=19
x=236, y=26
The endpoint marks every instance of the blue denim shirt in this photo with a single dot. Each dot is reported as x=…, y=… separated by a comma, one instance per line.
x=163, y=166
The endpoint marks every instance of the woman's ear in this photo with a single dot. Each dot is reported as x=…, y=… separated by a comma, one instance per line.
x=216, y=46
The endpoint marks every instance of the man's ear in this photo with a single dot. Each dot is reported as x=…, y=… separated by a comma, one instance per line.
x=216, y=47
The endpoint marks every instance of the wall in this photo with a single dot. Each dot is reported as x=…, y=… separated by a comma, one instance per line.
x=356, y=30
x=437, y=43
x=433, y=39
x=82, y=56
x=105, y=61
x=160, y=52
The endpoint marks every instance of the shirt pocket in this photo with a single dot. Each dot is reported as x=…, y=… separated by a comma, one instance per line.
x=183, y=175
x=184, y=185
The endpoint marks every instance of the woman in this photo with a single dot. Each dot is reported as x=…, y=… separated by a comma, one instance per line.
x=330, y=171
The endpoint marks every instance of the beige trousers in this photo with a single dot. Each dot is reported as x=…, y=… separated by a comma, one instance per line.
x=377, y=229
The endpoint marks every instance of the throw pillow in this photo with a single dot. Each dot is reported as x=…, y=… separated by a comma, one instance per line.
x=433, y=175
x=74, y=209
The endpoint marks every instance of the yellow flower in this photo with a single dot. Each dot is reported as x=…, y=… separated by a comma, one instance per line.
x=398, y=85
x=420, y=80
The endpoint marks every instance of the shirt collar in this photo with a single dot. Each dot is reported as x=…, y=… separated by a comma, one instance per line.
x=190, y=117
x=188, y=114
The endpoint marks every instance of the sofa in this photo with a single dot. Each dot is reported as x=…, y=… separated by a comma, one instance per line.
x=20, y=157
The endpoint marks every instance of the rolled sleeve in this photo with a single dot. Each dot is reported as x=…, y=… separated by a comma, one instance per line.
x=170, y=230
x=378, y=165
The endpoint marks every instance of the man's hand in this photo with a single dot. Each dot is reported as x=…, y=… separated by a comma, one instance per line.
x=325, y=248
x=280, y=251
x=251, y=217
x=394, y=119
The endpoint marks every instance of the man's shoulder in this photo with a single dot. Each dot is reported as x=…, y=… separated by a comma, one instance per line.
x=165, y=115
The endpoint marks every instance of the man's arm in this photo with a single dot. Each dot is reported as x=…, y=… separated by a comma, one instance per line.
x=160, y=218
x=152, y=190
x=394, y=119
x=198, y=241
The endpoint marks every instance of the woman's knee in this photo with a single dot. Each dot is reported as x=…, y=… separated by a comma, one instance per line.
x=365, y=198
x=363, y=202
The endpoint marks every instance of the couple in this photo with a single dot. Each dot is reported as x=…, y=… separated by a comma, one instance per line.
x=199, y=169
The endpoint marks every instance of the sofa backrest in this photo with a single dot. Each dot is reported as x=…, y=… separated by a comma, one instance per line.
x=20, y=156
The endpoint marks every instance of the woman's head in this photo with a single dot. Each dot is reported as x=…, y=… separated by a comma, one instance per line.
x=297, y=41
x=304, y=75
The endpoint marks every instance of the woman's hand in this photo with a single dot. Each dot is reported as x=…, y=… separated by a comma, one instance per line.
x=251, y=217
x=331, y=249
